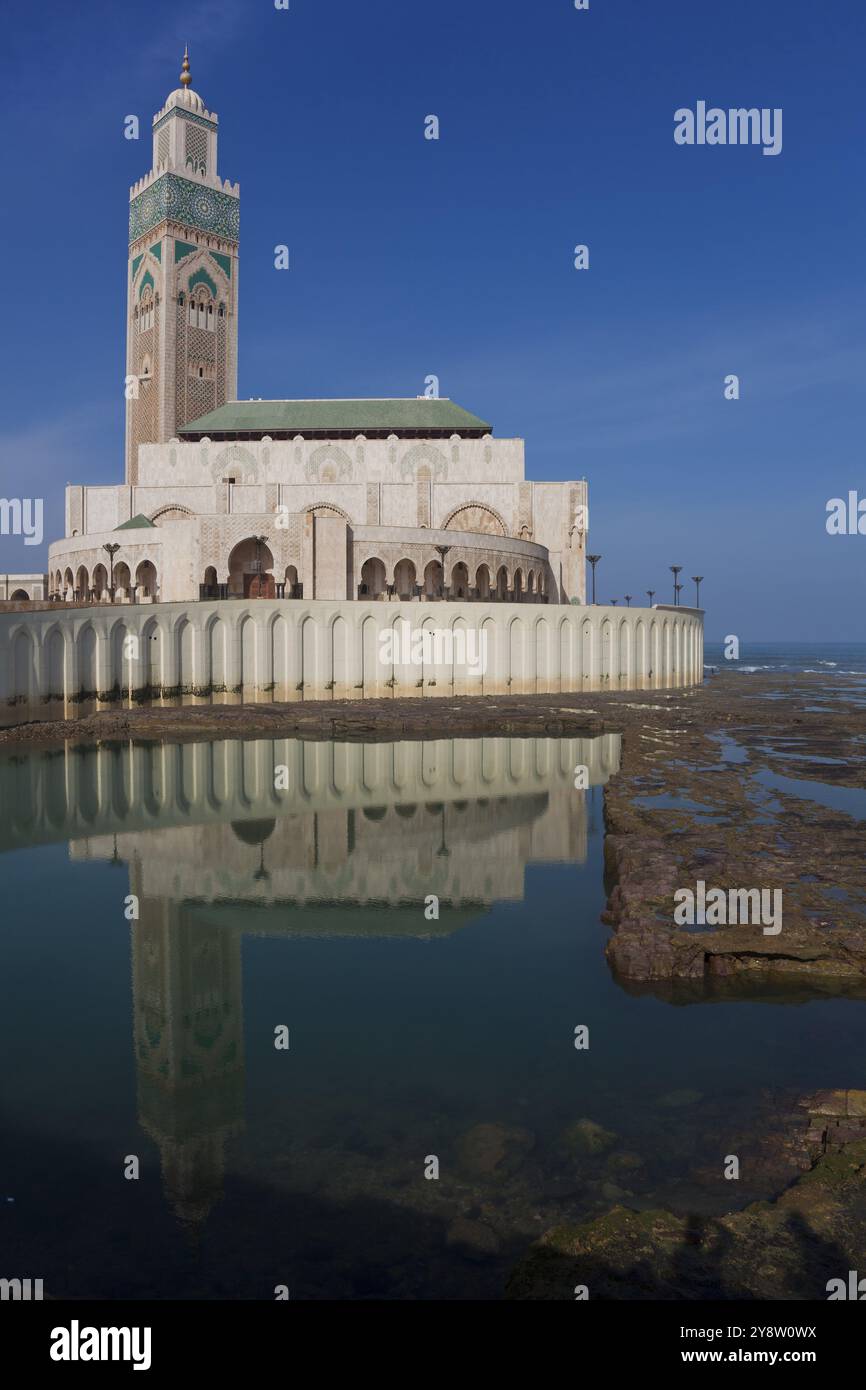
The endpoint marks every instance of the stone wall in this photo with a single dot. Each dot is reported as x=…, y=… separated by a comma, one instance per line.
x=32, y=586
x=295, y=650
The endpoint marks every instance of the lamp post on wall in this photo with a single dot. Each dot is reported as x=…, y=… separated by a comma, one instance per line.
x=614, y=602
x=112, y=547
x=628, y=598
x=651, y=593
x=593, y=560
x=260, y=541
x=442, y=551
x=675, y=569
x=697, y=580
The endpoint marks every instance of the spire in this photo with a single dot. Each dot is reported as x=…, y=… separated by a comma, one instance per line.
x=185, y=75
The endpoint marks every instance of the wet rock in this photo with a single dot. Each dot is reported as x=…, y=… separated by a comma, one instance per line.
x=489, y=1149
x=624, y=1161
x=612, y=1192
x=473, y=1239
x=787, y=1249
x=835, y=1117
x=587, y=1137
x=675, y=1100
x=837, y=1104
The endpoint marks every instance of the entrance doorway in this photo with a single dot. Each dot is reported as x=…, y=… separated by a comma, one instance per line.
x=251, y=567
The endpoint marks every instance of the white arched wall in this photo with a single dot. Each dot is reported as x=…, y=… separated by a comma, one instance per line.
x=280, y=650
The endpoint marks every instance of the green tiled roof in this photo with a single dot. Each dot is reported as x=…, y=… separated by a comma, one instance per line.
x=418, y=415
x=134, y=523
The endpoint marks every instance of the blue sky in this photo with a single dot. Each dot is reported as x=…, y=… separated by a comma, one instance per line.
x=455, y=257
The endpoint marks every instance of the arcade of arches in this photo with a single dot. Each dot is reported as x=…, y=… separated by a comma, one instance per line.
x=467, y=570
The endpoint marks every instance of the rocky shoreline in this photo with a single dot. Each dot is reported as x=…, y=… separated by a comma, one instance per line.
x=797, y=1247
x=726, y=796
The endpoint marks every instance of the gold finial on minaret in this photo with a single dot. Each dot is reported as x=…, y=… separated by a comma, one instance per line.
x=185, y=77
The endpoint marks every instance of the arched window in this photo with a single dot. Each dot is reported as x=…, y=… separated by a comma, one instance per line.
x=145, y=311
x=201, y=309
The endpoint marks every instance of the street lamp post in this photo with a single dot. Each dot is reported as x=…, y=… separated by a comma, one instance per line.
x=112, y=547
x=442, y=552
x=628, y=598
x=697, y=580
x=651, y=593
x=593, y=560
x=614, y=602
x=675, y=569
x=260, y=541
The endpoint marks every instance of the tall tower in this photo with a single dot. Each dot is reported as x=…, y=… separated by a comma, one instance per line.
x=182, y=296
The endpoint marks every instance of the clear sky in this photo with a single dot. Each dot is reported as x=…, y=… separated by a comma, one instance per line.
x=455, y=257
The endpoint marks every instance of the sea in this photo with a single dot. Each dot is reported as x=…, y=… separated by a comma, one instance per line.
x=819, y=658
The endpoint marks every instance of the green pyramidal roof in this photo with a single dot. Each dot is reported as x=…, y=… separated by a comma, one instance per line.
x=134, y=523
x=421, y=415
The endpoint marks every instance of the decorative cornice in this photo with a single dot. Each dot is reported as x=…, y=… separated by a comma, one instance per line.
x=160, y=120
x=180, y=231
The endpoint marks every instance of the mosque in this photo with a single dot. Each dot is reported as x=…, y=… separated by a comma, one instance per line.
x=297, y=499
x=271, y=549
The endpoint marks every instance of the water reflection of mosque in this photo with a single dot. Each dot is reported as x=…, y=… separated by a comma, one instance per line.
x=363, y=834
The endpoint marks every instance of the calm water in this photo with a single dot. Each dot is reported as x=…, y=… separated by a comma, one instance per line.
x=305, y=907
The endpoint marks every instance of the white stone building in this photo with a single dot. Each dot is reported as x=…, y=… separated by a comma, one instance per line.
x=302, y=549
x=314, y=499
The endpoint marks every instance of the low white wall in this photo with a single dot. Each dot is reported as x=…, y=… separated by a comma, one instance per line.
x=294, y=650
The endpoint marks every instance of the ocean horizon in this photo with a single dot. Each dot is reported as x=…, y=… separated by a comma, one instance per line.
x=815, y=658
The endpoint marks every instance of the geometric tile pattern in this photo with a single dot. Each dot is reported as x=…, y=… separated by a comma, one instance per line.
x=205, y=208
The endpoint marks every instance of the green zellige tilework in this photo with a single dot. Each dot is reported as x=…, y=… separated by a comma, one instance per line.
x=201, y=277
x=205, y=208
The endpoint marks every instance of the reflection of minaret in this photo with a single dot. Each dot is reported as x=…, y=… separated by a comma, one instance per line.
x=187, y=1001
x=361, y=835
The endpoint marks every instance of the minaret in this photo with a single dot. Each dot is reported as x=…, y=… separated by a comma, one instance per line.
x=182, y=296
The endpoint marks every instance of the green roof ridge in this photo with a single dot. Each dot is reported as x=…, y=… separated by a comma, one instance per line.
x=136, y=523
